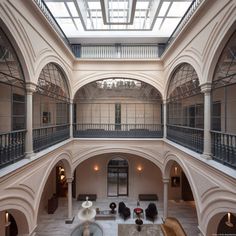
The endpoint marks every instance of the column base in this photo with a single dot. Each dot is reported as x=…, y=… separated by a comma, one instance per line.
x=206, y=156
x=29, y=155
x=70, y=221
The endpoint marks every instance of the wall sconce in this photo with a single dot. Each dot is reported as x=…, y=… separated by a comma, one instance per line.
x=7, y=222
x=176, y=170
x=96, y=168
x=228, y=222
x=139, y=168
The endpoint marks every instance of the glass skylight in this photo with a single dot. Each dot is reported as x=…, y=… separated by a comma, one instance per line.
x=79, y=17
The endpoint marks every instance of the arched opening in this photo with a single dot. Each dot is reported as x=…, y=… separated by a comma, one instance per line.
x=185, y=108
x=55, y=188
x=12, y=104
x=223, y=113
x=12, y=223
x=117, y=177
x=50, y=108
x=118, y=107
x=181, y=203
x=227, y=224
x=142, y=175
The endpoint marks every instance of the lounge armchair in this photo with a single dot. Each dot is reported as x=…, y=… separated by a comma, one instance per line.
x=172, y=227
x=123, y=210
x=151, y=212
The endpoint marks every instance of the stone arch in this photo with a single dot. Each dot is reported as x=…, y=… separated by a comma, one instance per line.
x=169, y=160
x=136, y=76
x=189, y=59
x=224, y=31
x=65, y=158
x=15, y=41
x=59, y=63
x=134, y=151
x=22, y=213
x=219, y=202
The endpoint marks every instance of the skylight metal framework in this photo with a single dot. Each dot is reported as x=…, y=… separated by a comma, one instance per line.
x=78, y=16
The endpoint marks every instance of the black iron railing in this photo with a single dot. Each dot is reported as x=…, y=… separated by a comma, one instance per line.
x=223, y=147
x=189, y=137
x=118, y=130
x=12, y=147
x=45, y=137
x=190, y=11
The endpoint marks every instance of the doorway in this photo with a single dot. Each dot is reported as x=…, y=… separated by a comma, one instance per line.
x=117, y=178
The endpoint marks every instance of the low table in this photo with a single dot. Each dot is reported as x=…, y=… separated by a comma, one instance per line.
x=138, y=212
x=105, y=215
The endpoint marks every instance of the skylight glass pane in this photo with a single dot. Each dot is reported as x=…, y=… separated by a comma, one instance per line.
x=142, y=5
x=67, y=25
x=118, y=5
x=164, y=8
x=178, y=9
x=96, y=13
x=58, y=9
x=94, y=5
x=169, y=25
x=72, y=9
x=78, y=23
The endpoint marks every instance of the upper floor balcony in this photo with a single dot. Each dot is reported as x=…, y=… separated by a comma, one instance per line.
x=118, y=51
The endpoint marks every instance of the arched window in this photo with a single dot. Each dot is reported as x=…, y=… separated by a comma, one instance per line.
x=118, y=107
x=117, y=177
x=185, y=108
x=224, y=106
x=12, y=104
x=51, y=108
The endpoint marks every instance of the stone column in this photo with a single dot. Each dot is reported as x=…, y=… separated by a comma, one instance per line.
x=30, y=88
x=69, y=196
x=206, y=89
x=164, y=118
x=71, y=119
x=165, y=198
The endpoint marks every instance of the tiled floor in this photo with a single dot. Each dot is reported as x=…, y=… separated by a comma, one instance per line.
x=54, y=225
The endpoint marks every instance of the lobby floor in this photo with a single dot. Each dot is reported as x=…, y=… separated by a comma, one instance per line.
x=54, y=224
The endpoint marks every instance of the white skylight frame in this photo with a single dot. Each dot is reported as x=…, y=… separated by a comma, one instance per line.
x=78, y=17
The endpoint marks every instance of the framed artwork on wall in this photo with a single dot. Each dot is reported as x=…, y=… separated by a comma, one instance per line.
x=46, y=119
x=175, y=181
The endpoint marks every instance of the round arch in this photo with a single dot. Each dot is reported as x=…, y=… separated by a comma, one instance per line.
x=100, y=76
x=65, y=158
x=15, y=41
x=22, y=213
x=189, y=59
x=216, y=209
x=134, y=151
x=55, y=60
x=170, y=158
x=217, y=45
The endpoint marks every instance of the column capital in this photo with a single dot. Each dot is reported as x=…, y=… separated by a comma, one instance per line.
x=165, y=180
x=164, y=101
x=30, y=87
x=69, y=180
x=206, y=87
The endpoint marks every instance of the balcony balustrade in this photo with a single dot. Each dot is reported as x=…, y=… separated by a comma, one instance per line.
x=12, y=147
x=45, y=137
x=224, y=148
x=189, y=137
x=116, y=51
x=118, y=130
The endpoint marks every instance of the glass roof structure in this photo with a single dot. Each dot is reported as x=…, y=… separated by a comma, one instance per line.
x=156, y=18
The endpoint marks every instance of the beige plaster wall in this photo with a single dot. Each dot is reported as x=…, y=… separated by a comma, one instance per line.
x=149, y=180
